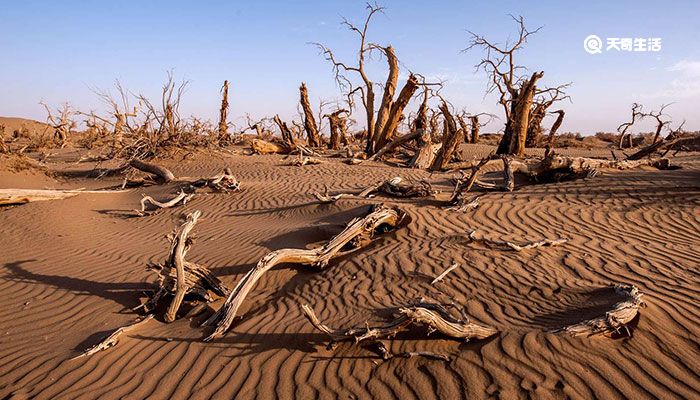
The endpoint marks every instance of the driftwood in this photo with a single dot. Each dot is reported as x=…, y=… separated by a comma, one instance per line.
x=358, y=233
x=113, y=339
x=621, y=314
x=180, y=277
x=182, y=197
x=432, y=315
x=22, y=196
x=514, y=246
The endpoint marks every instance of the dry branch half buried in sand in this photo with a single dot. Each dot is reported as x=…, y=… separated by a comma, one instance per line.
x=621, y=314
x=113, y=339
x=394, y=187
x=432, y=315
x=358, y=233
x=179, y=277
x=513, y=246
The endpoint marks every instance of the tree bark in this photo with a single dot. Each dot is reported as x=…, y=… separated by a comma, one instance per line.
x=223, y=111
x=395, y=113
x=474, y=122
x=392, y=81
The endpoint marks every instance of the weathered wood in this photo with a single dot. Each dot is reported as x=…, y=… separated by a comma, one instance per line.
x=312, y=136
x=223, y=111
x=393, y=144
x=113, y=339
x=358, y=233
x=161, y=172
x=22, y=196
x=452, y=138
x=260, y=146
x=179, y=277
x=613, y=321
x=465, y=186
x=432, y=315
x=394, y=187
x=182, y=197
x=397, y=107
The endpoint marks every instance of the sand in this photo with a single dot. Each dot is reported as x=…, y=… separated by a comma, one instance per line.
x=71, y=270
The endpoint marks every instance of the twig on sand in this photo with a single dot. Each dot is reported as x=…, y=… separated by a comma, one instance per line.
x=182, y=197
x=514, y=246
x=444, y=273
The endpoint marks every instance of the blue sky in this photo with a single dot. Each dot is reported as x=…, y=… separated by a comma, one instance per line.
x=58, y=50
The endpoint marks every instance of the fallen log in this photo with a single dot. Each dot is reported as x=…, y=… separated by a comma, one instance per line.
x=514, y=246
x=179, y=277
x=113, y=339
x=161, y=172
x=463, y=186
x=304, y=160
x=432, y=315
x=613, y=321
x=393, y=144
x=260, y=146
x=358, y=233
x=22, y=196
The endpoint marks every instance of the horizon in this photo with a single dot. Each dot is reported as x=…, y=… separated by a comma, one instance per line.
x=61, y=53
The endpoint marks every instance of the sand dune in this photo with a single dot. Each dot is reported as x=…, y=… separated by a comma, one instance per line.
x=71, y=270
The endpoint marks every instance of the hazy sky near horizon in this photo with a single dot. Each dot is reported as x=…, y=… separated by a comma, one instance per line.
x=58, y=50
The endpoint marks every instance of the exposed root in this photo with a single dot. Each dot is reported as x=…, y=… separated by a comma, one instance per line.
x=180, y=277
x=182, y=197
x=432, y=315
x=615, y=320
x=113, y=339
x=358, y=233
x=514, y=246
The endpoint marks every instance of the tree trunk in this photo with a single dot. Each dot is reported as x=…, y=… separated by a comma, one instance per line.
x=450, y=140
x=337, y=129
x=287, y=137
x=312, y=136
x=392, y=81
x=534, y=129
x=395, y=113
x=474, y=121
x=223, y=125
x=520, y=117
x=555, y=126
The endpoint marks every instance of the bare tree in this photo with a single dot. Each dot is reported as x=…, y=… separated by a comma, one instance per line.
x=61, y=123
x=381, y=129
x=539, y=111
x=338, y=127
x=517, y=91
x=661, y=120
x=167, y=117
x=637, y=115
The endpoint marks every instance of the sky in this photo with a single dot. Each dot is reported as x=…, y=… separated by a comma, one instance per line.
x=59, y=51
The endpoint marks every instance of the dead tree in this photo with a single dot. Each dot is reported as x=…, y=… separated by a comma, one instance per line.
x=381, y=129
x=312, y=136
x=120, y=110
x=338, y=128
x=61, y=123
x=660, y=121
x=167, y=115
x=637, y=115
x=287, y=137
x=223, y=111
x=180, y=277
x=673, y=137
x=358, y=233
x=452, y=137
x=539, y=111
x=517, y=92
x=555, y=126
